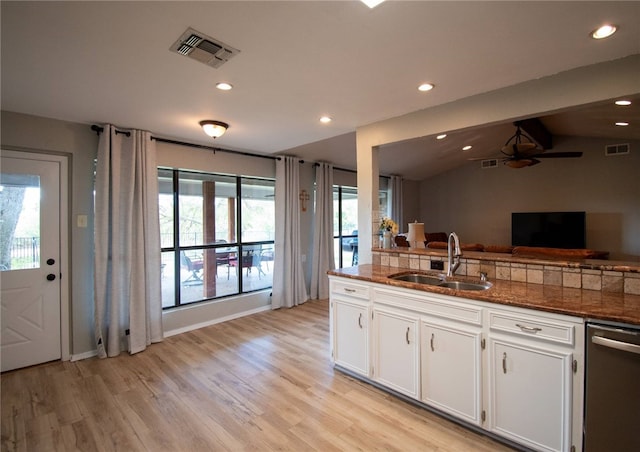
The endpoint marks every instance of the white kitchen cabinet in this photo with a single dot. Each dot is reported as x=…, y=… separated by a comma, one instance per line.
x=396, y=352
x=350, y=313
x=451, y=369
x=531, y=381
x=526, y=385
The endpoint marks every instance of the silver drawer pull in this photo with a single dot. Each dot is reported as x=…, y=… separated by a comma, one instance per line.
x=360, y=320
x=528, y=329
x=346, y=289
x=432, y=347
x=407, y=335
x=504, y=362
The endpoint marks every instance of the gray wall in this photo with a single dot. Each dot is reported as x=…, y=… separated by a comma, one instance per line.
x=79, y=143
x=477, y=203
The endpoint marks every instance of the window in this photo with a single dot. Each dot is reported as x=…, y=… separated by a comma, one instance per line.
x=345, y=225
x=345, y=221
x=217, y=235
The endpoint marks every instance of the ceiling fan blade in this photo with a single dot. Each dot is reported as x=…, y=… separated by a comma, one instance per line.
x=558, y=155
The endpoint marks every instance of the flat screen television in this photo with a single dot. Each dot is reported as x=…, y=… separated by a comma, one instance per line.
x=549, y=229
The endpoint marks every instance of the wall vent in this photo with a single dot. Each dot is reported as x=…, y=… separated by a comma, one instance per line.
x=489, y=163
x=203, y=48
x=616, y=149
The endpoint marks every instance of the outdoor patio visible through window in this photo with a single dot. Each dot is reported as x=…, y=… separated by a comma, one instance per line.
x=217, y=239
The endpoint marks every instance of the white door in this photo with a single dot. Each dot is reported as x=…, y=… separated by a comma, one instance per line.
x=451, y=370
x=351, y=341
x=530, y=395
x=396, y=351
x=30, y=261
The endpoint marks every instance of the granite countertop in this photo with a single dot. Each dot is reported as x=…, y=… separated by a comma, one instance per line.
x=584, y=303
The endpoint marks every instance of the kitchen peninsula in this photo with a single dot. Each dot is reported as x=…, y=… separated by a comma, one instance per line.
x=508, y=361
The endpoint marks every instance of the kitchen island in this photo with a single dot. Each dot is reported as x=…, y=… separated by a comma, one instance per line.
x=508, y=361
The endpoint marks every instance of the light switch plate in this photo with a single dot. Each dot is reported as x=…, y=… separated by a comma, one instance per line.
x=82, y=221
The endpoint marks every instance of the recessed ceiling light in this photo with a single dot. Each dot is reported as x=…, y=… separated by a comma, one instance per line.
x=426, y=87
x=325, y=119
x=224, y=86
x=442, y=136
x=604, y=32
x=623, y=103
x=467, y=147
x=372, y=3
x=622, y=124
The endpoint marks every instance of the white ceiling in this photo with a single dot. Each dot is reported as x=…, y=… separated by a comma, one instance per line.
x=109, y=62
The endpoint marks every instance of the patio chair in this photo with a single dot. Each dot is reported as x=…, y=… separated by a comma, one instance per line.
x=194, y=266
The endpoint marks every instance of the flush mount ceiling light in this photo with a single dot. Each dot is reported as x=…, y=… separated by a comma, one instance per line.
x=224, y=86
x=372, y=3
x=467, y=147
x=426, y=87
x=604, y=31
x=622, y=124
x=325, y=119
x=623, y=103
x=214, y=129
x=442, y=136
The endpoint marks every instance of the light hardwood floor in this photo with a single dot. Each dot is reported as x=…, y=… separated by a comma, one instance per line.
x=263, y=382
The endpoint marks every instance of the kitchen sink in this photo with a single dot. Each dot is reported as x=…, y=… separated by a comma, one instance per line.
x=418, y=278
x=434, y=280
x=462, y=285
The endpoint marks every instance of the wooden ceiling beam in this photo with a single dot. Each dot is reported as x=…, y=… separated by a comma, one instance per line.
x=537, y=131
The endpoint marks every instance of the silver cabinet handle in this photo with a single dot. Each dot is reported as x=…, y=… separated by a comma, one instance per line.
x=528, y=329
x=618, y=345
x=360, y=320
x=346, y=289
x=432, y=348
x=407, y=335
x=504, y=362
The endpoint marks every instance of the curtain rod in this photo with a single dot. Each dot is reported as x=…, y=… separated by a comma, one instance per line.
x=99, y=130
x=338, y=168
x=350, y=170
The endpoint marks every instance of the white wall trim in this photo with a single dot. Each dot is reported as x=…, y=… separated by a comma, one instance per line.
x=217, y=320
x=85, y=355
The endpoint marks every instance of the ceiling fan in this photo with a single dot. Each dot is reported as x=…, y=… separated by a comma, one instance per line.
x=520, y=150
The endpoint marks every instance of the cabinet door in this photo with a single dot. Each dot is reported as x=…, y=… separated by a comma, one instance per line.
x=351, y=336
x=531, y=395
x=396, y=351
x=451, y=368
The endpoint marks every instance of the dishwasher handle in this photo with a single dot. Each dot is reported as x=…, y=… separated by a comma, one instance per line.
x=618, y=345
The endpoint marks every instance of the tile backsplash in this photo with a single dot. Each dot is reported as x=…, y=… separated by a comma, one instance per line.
x=605, y=277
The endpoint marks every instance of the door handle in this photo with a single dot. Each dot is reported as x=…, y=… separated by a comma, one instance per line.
x=618, y=345
x=51, y=261
x=51, y=277
x=360, y=320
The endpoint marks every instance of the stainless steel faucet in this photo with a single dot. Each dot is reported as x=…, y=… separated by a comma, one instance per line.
x=453, y=253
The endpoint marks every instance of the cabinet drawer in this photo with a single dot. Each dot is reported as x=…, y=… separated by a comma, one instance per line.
x=428, y=304
x=532, y=327
x=350, y=289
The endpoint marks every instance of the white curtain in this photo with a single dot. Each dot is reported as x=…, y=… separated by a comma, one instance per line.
x=128, y=305
x=323, y=258
x=396, y=201
x=289, y=287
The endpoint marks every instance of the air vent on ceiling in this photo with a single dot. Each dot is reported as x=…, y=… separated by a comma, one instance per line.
x=616, y=149
x=489, y=163
x=203, y=48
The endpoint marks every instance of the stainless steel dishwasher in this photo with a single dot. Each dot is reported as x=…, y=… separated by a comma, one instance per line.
x=612, y=400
